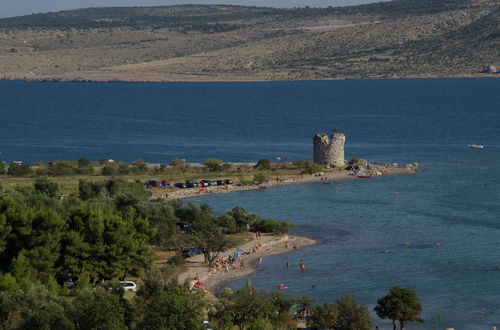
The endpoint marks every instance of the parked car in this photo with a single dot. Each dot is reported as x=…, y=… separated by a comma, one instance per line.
x=213, y=182
x=152, y=183
x=229, y=181
x=205, y=183
x=184, y=226
x=128, y=286
x=191, y=184
x=69, y=284
x=221, y=182
x=191, y=252
x=207, y=325
x=166, y=184
x=180, y=185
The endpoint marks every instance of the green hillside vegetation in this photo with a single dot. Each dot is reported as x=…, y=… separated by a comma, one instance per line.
x=398, y=38
x=105, y=232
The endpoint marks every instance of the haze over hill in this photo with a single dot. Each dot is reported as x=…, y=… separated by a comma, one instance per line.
x=400, y=38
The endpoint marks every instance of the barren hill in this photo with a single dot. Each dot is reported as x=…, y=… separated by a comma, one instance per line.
x=399, y=38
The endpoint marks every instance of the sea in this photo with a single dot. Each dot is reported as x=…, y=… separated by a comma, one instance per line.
x=360, y=224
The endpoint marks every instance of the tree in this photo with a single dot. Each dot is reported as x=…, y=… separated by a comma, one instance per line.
x=352, y=315
x=213, y=242
x=45, y=186
x=110, y=169
x=324, y=316
x=176, y=162
x=282, y=319
x=213, y=164
x=139, y=166
x=243, y=307
x=259, y=178
x=171, y=307
x=84, y=162
x=3, y=168
x=34, y=308
x=89, y=189
x=242, y=218
x=400, y=304
x=263, y=164
x=99, y=309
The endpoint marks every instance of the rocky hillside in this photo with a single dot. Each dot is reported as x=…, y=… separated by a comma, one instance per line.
x=399, y=38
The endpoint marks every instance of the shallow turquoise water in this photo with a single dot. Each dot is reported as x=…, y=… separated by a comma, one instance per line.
x=454, y=200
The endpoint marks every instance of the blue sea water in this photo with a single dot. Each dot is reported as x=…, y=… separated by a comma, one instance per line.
x=455, y=199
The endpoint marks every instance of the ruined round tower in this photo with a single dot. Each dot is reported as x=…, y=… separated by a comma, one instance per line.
x=329, y=153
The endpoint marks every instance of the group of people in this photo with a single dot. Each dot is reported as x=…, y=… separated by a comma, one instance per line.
x=302, y=266
x=233, y=261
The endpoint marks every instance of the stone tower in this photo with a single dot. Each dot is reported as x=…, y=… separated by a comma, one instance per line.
x=329, y=154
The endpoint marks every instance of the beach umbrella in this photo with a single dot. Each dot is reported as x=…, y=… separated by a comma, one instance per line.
x=199, y=283
x=239, y=251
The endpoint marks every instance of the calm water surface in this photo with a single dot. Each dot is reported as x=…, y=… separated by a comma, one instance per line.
x=454, y=200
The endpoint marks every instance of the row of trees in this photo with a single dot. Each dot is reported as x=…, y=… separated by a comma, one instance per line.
x=85, y=166
x=249, y=308
x=167, y=305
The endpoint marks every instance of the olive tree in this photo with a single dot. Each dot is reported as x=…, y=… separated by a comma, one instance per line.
x=400, y=305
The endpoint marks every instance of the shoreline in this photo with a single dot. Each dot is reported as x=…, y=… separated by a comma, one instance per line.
x=270, y=245
x=173, y=80
x=273, y=183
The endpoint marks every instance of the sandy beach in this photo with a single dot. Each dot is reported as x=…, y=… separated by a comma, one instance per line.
x=197, y=269
x=274, y=182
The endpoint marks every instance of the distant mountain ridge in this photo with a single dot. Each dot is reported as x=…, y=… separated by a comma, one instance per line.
x=399, y=38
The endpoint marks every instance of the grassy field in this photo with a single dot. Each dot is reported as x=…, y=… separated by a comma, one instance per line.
x=400, y=38
x=240, y=175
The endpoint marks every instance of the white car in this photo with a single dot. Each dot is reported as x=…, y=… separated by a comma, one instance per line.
x=128, y=285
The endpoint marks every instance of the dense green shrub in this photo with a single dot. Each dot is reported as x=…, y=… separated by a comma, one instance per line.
x=3, y=168
x=19, y=170
x=45, y=186
x=213, y=164
x=263, y=164
x=271, y=226
x=61, y=169
x=259, y=178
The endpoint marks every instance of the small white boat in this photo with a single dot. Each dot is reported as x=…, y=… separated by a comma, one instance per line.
x=476, y=146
